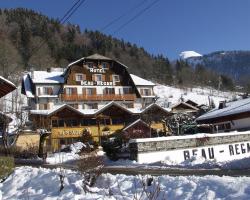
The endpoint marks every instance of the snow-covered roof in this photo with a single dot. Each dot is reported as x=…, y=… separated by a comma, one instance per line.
x=6, y=86
x=232, y=108
x=189, y=54
x=185, y=104
x=167, y=110
x=7, y=81
x=112, y=103
x=47, y=77
x=140, y=81
x=135, y=122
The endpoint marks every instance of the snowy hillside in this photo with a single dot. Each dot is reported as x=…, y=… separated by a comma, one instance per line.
x=170, y=95
x=189, y=54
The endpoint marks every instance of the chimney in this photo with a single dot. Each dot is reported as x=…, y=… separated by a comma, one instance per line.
x=222, y=104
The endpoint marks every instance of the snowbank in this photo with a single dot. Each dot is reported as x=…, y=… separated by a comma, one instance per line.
x=40, y=183
x=63, y=157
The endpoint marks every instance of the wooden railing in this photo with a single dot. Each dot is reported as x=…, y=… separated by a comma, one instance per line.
x=97, y=97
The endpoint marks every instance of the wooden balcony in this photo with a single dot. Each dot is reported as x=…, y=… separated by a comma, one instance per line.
x=98, y=97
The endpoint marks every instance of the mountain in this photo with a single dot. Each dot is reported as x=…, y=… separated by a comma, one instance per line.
x=189, y=54
x=235, y=64
x=30, y=40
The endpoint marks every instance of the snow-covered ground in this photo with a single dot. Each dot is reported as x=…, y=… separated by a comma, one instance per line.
x=172, y=95
x=63, y=157
x=40, y=183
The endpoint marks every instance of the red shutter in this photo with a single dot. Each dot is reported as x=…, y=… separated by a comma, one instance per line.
x=93, y=77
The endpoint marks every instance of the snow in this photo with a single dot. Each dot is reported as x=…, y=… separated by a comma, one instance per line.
x=171, y=95
x=40, y=183
x=138, y=81
x=182, y=137
x=189, y=54
x=47, y=77
x=63, y=157
x=231, y=108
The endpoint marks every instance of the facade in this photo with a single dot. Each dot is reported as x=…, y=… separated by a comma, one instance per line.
x=94, y=94
x=88, y=83
x=228, y=116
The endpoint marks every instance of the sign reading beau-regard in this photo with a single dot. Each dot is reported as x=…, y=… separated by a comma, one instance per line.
x=99, y=83
x=220, y=153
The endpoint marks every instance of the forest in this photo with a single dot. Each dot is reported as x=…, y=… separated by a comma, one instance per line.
x=33, y=41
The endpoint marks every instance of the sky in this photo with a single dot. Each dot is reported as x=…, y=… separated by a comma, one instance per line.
x=168, y=27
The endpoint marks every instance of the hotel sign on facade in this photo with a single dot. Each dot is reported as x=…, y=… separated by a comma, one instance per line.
x=97, y=83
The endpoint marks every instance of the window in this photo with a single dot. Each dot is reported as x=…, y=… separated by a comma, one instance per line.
x=79, y=77
x=88, y=122
x=98, y=77
x=145, y=92
x=117, y=121
x=105, y=65
x=116, y=78
x=71, y=122
x=127, y=90
x=70, y=91
x=61, y=123
x=109, y=91
x=90, y=91
x=43, y=106
x=105, y=121
x=54, y=123
x=45, y=91
x=90, y=65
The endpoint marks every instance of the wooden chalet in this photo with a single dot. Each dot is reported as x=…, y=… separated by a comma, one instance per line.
x=94, y=94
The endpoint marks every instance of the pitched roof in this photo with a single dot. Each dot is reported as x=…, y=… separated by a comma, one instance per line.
x=140, y=81
x=6, y=86
x=112, y=103
x=232, y=108
x=97, y=56
x=47, y=77
x=185, y=104
x=134, y=123
x=154, y=105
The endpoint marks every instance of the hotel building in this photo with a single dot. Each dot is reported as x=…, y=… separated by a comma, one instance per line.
x=94, y=93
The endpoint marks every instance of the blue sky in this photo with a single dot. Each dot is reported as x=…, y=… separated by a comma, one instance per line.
x=168, y=27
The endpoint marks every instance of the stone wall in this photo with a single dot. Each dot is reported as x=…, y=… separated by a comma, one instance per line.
x=183, y=143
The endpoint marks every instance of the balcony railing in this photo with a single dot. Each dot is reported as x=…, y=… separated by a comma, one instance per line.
x=98, y=97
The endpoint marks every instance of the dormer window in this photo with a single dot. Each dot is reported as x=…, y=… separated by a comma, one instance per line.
x=90, y=65
x=105, y=65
